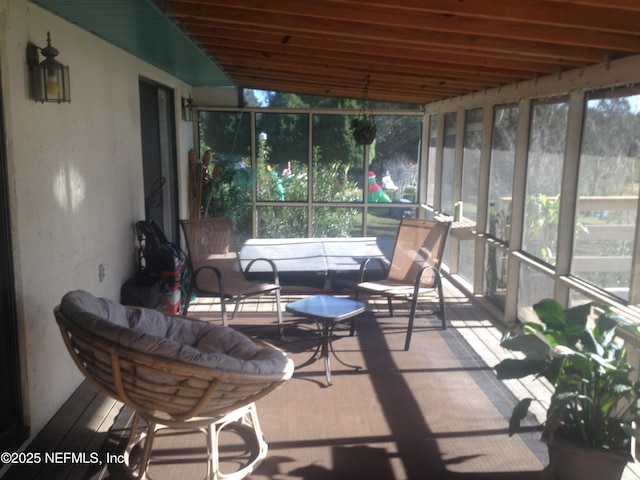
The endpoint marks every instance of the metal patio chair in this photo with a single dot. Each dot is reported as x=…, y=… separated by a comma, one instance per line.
x=414, y=271
x=216, y=269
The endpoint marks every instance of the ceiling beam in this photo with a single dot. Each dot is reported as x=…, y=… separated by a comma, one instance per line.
x=414, y=50
x=263, y=39
x=409, y=34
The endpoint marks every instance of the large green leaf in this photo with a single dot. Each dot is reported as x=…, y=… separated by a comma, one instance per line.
x=581, y=363
x=590, y=342
x=606, y=325
x=576, y=322
x=604, y=363
x=551, y=313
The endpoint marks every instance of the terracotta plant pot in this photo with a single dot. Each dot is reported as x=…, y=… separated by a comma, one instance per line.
x=575, y=461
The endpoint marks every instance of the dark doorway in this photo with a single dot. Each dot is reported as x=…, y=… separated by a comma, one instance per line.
x=159, y=156
x=12, y=428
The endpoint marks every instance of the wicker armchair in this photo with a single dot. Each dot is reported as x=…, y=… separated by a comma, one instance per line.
x=174, y=372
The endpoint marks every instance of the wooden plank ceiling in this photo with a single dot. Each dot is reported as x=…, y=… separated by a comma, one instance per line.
x=414, y=51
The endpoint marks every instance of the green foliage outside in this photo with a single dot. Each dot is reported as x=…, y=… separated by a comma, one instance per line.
x=331, y=184
x=228, y=186
x=278, y=185
x=542, y=213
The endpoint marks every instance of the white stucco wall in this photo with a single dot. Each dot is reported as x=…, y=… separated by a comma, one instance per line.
x=76, y=185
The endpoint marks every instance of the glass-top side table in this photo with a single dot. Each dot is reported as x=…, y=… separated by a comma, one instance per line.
x=326, y=311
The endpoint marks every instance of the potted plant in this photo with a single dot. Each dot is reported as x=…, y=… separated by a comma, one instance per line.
x=594, y=402
x=363, y=129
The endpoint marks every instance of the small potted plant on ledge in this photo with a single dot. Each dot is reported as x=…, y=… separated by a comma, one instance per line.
x=363, y=129
x=590, y=424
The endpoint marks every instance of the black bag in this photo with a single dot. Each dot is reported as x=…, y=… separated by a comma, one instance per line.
x=157, y=257
x=160, y=267
x=144, y=292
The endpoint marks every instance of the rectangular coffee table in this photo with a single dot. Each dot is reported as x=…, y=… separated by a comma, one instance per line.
x=326, y=311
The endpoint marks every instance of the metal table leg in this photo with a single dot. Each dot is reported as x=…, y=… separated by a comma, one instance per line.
x=325, y=345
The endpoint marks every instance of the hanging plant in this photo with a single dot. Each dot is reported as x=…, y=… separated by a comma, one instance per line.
x=363, y=129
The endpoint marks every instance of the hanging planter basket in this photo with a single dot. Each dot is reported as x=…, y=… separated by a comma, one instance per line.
x=363, y=129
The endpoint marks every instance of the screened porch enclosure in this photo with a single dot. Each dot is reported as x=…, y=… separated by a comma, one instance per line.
x=519, y=122
x=547, y=188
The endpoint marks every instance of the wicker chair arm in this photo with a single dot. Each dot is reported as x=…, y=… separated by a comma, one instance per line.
x=171, y=386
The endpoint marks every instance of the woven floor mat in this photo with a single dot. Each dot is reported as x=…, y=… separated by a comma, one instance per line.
x=434, y=412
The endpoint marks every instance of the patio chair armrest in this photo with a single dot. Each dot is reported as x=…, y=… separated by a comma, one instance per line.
x=365, y=262
x=419, y=275
x=274, y=268
x=218, y=275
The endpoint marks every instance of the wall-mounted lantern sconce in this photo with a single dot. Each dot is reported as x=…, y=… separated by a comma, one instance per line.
x=187, y=109
x=49, y=78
